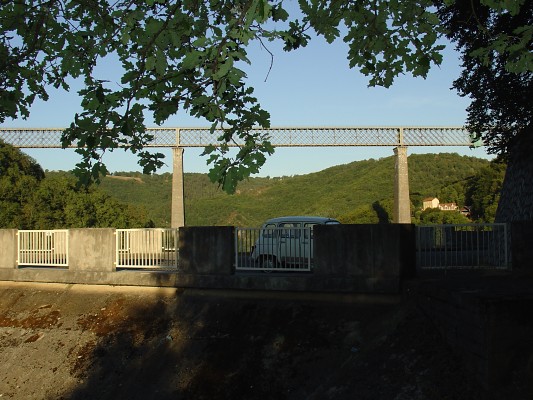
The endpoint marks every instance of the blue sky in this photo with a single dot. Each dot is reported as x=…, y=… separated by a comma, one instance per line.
x=309, y=87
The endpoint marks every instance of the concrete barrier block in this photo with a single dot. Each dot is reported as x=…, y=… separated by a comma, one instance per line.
x=92, y=249
x=8, y=253
x=207, y=250
x=377, y=254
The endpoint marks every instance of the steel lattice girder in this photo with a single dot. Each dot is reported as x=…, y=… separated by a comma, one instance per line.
x=279, y=137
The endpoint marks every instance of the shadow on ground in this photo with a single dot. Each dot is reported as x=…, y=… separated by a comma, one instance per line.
x=111, y=343
x=203, y=346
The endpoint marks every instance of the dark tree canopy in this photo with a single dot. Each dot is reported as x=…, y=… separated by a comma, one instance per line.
x=497, y=61
x=495, y=40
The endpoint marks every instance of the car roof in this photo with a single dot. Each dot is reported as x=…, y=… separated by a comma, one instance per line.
x=301, y=218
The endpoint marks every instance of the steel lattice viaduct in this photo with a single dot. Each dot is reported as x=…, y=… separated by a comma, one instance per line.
x=178, y=138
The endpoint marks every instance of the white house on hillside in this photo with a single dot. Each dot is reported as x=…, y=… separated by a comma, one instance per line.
x=433, y=202
x=430, y=202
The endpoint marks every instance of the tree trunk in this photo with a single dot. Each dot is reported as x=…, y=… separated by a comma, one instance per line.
x=516, y=199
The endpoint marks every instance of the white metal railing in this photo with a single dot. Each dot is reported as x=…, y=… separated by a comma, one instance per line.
x=463, y=246
x=147, y=248
x=274, y=249
x=44, y=248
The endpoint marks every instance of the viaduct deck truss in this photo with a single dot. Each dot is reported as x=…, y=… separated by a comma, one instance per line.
x=278, y=136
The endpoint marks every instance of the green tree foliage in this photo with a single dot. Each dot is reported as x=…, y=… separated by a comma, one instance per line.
x=152, y=193
x=174, y=55
x=385, y=38
x=453, y=193
x=440, y=175
x=348, y=192
x=20, y=175
x=483, y=192
x=361, y=215
x=379, y=212
x=60, y=203
x=436, y=216
x=191, y=56
x=29, y=200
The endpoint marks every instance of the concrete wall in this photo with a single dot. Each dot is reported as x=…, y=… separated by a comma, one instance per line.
x=8, y=248
x=375, y=255
x=348, y=258
x=353, y=258
x=207, y=250
x=521, y=248
x=92, y=249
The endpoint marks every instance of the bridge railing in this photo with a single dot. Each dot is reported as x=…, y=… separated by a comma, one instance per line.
x=147, y=248
x=274, y=249
x=43, y=248
x=463, y=246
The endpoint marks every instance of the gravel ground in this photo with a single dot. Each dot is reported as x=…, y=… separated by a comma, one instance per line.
x=90, y=342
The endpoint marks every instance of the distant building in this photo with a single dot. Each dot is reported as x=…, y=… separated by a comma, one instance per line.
x=430, y=202
x=448, y=206
x=433, y=202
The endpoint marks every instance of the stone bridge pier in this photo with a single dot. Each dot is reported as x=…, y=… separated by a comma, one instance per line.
x=178, y=196
x=402, y=202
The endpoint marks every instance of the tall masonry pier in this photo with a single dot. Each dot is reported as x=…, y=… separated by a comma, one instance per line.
x=178, y=196
x=402, y=202
x=178, y=138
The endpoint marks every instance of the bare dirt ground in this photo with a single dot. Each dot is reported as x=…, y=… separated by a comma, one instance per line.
x=90, y=342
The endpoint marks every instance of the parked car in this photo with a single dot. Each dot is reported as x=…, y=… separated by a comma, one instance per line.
x=287, y=241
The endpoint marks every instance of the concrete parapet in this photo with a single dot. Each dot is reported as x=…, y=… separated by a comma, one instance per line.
x=207, y=250
x=378, y=255
x=348, y=258
x=8, y=250
x=92, y=249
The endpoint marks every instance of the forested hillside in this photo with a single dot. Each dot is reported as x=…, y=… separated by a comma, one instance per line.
x=33, y=199
x=359, y=192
